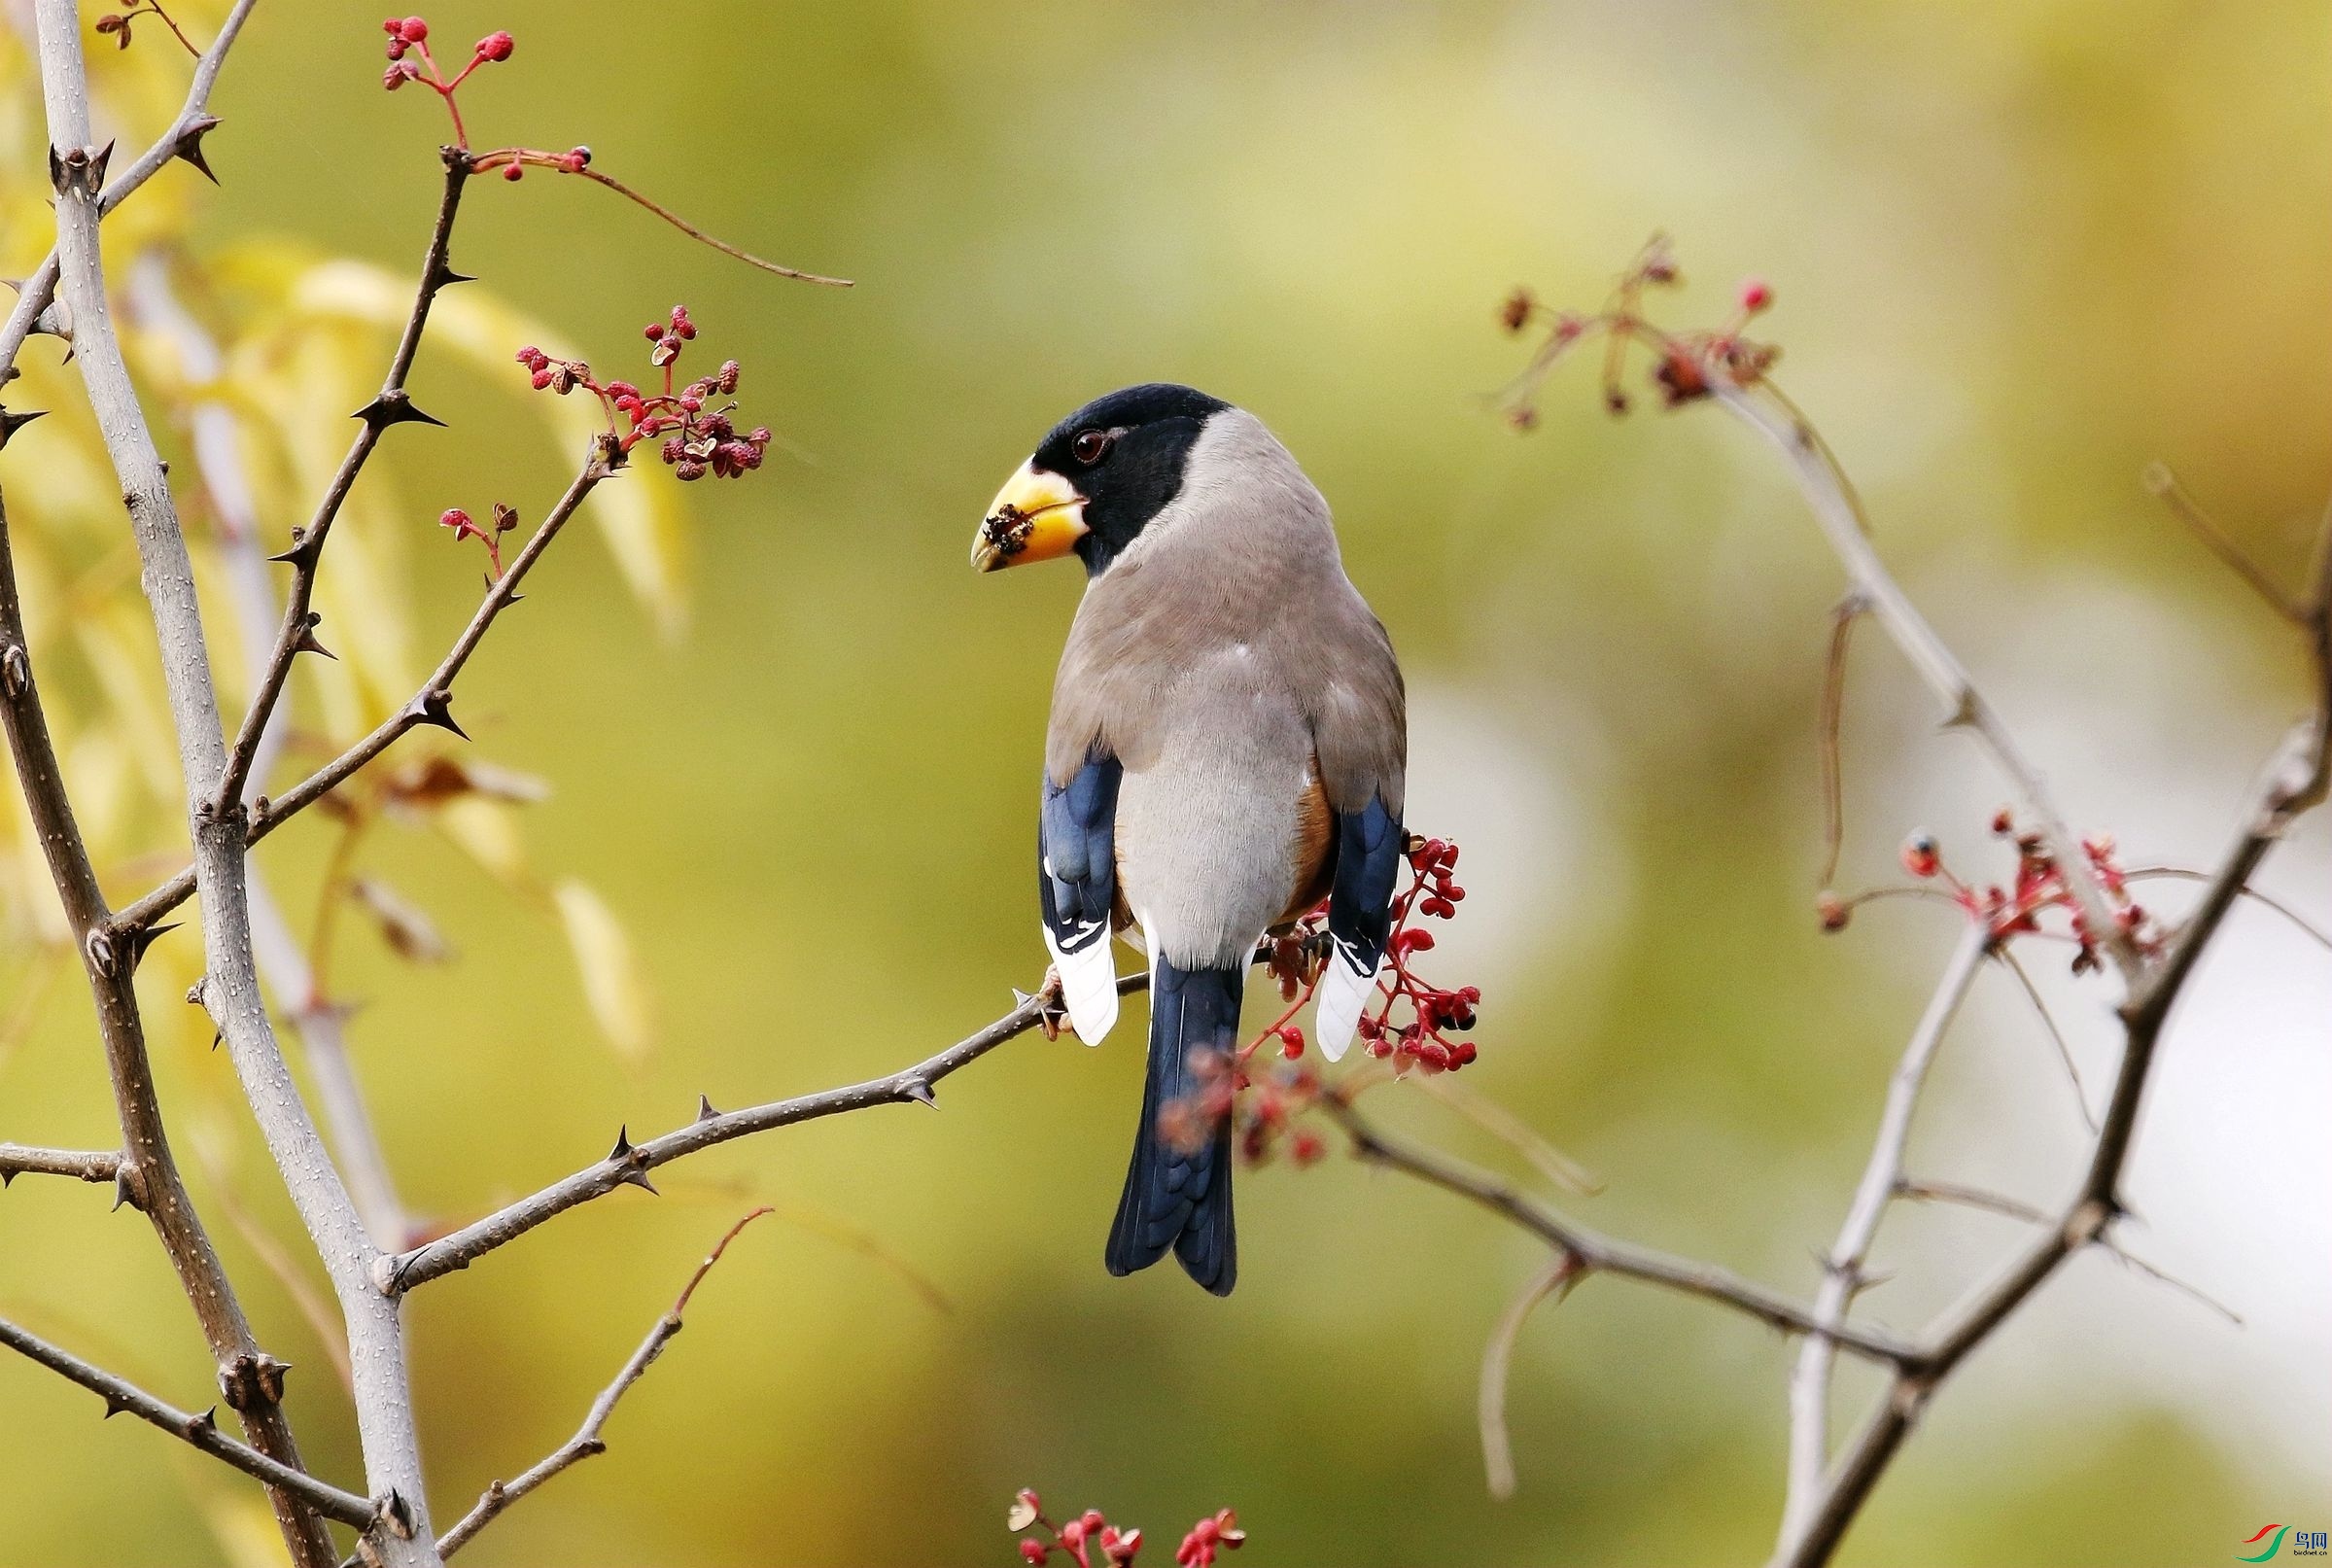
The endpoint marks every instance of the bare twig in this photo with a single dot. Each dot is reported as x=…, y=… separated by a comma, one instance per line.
x=147, y=1173
x=1497, y=1357
x=1952, y=1191
x=1514, y=1132
x=1597, y=1253
x=2165, y=485
x=588, y=1441
x=393, y=405
x=2048, y=1022
x=2307, y=928
x=185, y=136
x=1834, y=713
x=629, y=1163
x=1843, y=1270
x=201, y=1431
x=230, y=988
x=432, y=704
x=82, y=1165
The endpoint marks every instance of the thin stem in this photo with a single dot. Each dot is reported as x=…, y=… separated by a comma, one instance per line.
x=589, y=1439
x=193, y=119
x=1964, y=1197
x=1843, y=1270
x=2166, y=486
x=230, y=988
x=1599, y=1253
x=82, y=1165
x=503, y=157
x=393, y=405
x=2048, y=1022
x=200, y=1431
x=431, y=705
x=1497, y=1359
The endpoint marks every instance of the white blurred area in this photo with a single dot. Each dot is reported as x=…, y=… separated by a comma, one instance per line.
x=2147, y=728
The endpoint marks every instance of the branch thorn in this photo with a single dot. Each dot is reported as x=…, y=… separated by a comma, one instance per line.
x=303, y=551
x=704, y=1108
x=920, y=1092
x=10, y=423
x=436, y=707
x=394, y=408
x=188, y=145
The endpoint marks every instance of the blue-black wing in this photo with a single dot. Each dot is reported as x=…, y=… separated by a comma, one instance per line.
x=1369, y=846
x=1076, y=860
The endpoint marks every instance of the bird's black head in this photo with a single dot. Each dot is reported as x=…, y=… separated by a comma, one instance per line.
x=1098, y=479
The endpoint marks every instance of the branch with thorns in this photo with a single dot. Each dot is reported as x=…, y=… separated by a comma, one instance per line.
x=2080, y=881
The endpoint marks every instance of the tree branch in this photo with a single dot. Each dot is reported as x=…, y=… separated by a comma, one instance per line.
x=432, y=704
x=230, y=988
x=185, y=132
x=1598, y=1253
x=2293, y=781
x=1830, y=499
x=201, y=1431
x=1843, y=1270
x=82, y=1165
x=629, y=1163
x=588, y=1441
x=393, y=407
x=147, y=1172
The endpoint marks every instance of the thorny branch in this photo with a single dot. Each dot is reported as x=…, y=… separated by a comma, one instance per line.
x=202, y=1431
x=588, y=1439
x=230, y=989
x=1843, y=1270
x=1825, y=1494
x=182, y=140
x=82, y=1165
x=432, y=705
x=146, y=1171
x=393, y=407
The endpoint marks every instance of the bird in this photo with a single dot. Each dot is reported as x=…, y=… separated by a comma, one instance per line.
x=1227, y=747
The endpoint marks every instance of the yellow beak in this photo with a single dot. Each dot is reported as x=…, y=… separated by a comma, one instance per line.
x=1037, y=517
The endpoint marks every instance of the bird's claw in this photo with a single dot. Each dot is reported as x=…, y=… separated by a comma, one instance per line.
x=1051, y=1015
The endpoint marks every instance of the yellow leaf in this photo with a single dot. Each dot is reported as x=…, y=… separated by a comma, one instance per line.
x=487, y=831
x=611, y=978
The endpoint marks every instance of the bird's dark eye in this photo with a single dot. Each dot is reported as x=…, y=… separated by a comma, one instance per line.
x=1090, y=446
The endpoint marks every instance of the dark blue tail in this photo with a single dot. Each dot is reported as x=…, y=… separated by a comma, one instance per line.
x=1178, y=1197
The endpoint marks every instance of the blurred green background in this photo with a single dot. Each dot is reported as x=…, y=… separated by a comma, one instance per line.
x=2019, y=249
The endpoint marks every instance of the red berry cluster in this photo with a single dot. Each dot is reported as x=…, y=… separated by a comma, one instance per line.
x=697, y=438
x=1267, y=1102
x=1682, y=364
x=2038, y=887
x=1197, y=1548
x=1422, y=1039
x=506, y=518
x=1079, y=1538
x=411, y=60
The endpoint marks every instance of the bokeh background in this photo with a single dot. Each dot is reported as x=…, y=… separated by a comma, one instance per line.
x=2020, y=248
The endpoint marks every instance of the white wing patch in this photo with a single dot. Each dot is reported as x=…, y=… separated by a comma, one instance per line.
x=1342, y=995
x=1088, y=986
